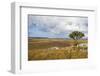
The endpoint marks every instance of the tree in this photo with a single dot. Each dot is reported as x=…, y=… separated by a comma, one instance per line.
x=76, y=35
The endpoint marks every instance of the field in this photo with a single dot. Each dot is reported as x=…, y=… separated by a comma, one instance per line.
x=50, y=49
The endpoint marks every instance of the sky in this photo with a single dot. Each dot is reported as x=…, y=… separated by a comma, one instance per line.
x=56, y=26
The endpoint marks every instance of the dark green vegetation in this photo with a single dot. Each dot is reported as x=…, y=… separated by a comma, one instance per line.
x=49, y=49
x=76, y=35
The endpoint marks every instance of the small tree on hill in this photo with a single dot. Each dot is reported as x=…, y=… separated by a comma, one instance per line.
x=76, y=35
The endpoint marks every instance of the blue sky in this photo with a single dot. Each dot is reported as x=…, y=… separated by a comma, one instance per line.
x=56, y=26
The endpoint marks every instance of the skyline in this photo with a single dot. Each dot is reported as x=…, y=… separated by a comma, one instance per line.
x=56, y=26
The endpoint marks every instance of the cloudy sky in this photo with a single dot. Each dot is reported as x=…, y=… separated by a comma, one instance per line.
x=56, y=26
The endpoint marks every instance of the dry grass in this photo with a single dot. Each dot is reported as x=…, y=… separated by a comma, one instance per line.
x=38, y=50
x=57, y=54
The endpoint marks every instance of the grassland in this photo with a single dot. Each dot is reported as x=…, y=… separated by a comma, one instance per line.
x=49, y=49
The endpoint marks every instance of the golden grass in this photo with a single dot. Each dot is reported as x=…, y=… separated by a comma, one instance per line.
x=69, y=53
x=38, y=49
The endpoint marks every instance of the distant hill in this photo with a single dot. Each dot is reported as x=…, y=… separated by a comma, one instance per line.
x=85, y=38
x=52, y=38
x=45, y=38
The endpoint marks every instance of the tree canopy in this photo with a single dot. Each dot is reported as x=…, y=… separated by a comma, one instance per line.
x=76, y=35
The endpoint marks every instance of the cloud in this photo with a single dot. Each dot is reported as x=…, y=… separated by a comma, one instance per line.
x=56, y=26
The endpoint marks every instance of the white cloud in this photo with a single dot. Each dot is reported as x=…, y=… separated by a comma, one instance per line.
x=57, y=25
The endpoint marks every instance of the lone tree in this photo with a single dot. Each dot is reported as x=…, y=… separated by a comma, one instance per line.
x=76, y=35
